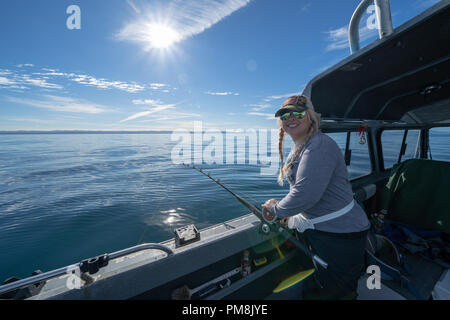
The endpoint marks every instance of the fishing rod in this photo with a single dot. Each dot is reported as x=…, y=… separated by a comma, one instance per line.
x=266, y=228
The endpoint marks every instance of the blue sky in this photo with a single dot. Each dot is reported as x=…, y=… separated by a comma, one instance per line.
x=160, y=65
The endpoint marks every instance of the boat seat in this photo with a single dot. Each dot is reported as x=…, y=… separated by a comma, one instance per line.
x=417, y=194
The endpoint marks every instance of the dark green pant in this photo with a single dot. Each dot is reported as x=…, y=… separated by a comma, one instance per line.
x=344, y=254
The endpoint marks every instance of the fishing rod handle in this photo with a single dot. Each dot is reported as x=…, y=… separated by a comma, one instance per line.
x=299, y=245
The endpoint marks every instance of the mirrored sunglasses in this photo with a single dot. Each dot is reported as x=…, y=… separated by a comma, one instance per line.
x=298, y=115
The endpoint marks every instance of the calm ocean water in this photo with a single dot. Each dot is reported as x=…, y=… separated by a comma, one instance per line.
x=68, y=197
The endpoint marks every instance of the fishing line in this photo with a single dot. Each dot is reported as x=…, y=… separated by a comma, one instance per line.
x=247, y=196
x=142, y=235
x=211, y=172
x=273, y=226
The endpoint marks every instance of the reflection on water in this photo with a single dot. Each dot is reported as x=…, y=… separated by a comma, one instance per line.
x=174, y=216
x=64, y=198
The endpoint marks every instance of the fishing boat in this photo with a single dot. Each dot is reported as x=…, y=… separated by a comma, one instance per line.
x=397, y=86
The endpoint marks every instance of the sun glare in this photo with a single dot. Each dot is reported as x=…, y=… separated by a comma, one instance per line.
x=161, y=36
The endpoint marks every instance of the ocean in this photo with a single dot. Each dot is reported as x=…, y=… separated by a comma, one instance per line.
x=68, y=197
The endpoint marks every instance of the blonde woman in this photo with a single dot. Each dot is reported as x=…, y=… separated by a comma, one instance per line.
x=320, y=202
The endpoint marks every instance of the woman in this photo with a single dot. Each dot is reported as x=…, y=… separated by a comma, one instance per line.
x=320, y=201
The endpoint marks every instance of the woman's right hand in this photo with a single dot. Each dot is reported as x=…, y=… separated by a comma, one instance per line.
x=267, y=213
x=270, y=203
x=284, y=222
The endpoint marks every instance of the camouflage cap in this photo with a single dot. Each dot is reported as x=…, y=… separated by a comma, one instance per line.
x=294, y=103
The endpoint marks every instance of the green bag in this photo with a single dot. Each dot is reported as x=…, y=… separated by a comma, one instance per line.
x=418, y=194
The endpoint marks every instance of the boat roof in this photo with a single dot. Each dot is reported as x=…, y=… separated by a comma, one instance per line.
x=403, y=77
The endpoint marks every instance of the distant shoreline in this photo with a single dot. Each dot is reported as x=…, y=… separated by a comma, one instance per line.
x=18, y=132
x=83, y=132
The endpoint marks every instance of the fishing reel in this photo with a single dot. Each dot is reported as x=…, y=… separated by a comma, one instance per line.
x=264, y=228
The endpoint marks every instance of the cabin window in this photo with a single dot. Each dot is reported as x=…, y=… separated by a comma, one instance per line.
x=439, y=140
x=357, y=156
x=399, y=145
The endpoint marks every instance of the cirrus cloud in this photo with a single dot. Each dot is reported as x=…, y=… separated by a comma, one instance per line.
x=338, y=38
x=222, y=93
x=155, y=109
x=267, y=116
x=61, y=104
x=183, y=19
x=15, y=80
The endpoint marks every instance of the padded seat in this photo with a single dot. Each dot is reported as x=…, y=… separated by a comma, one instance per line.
x=418, y=194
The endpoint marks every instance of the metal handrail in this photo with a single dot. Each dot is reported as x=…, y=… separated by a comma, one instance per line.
x=144, y=246
x=69, y=269
x=384, y=21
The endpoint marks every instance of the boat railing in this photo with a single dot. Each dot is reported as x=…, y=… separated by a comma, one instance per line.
x=75, y=267
x=384, y=21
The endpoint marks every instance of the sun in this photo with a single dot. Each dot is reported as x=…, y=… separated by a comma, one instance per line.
x=161, y=36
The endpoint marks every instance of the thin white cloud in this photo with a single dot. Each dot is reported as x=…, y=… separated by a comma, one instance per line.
x=177, y=116
x=222, y=93
x=149, y=112
x=306, y=7
x=7, y=82
x=157, y=86
x=32, y=120
x=148, y=102
x=422, y=4
x=281, y=96
x=18, y=79
x=179, y=20
x=338, y=38
x=259, y=107
x=25, y=65
x=61, y=104
x=156, y=108
x=268, y=116
x=39, y=82
x=101, y=83
x=107, y=84
x=13, y=80
x=265, y=105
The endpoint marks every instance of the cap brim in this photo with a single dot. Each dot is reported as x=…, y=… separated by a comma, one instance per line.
x=289, y=108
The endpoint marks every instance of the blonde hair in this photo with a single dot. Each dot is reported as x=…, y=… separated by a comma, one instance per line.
x=314, y=118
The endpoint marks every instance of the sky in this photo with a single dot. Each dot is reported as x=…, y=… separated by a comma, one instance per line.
x=128, y=65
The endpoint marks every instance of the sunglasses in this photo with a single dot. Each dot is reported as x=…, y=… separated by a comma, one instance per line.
x=298, y=115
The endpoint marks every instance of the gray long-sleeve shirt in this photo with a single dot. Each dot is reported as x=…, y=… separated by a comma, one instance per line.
x=319, y=185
